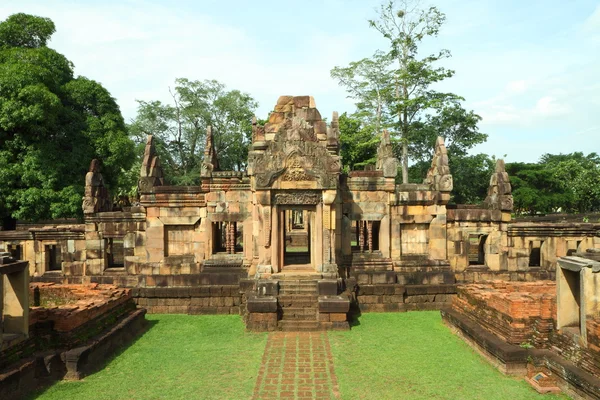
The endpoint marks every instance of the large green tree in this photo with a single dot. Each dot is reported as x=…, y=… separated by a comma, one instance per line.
x=180, y=127
x=395, y=88
x=558, y=182
x=357, y=142
x=52, y=125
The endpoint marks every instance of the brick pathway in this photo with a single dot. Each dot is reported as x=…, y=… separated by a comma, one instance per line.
x=297, y=365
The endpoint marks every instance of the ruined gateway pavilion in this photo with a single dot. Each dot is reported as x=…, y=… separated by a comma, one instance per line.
x=293, y=242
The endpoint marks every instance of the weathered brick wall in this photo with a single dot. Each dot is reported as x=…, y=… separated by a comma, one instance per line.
x=517, y=312
x=573, y=349
x=90, y=310
x=86, y=303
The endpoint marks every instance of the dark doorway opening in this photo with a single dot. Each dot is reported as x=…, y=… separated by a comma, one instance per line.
x=297, y=237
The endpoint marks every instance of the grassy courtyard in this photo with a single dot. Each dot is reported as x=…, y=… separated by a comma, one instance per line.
x=386, y=356
x=180, y=357
x=414, y=356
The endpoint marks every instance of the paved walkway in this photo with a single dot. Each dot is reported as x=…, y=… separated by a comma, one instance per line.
x=297, y=365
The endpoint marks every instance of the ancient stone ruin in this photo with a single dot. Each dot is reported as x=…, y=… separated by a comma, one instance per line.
x=293, y=243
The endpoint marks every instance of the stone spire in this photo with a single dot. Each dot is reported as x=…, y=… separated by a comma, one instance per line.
x=333, y=134
x=151, y=173
x=499, y=192
x=96, y=198
x=210, y=162
x=439, y=174
x=386, y=161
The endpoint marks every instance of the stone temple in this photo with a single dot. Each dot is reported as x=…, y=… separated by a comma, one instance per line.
x=296, y=244
x=294, y=224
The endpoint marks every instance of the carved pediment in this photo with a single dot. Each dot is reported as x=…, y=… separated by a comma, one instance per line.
x=296, y=161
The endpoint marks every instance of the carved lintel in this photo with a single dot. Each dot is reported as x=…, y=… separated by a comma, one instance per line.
x=297, y=198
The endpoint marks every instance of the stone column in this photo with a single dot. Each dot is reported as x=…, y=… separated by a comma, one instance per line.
x=361, y=235
x=370, y=235
x=275, y=240
x=318, y=232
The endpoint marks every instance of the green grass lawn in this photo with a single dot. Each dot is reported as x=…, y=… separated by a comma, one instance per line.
x=180, y=357
x=414, y=356
x=388, y=356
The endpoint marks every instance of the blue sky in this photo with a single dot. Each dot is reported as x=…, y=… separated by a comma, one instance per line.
x=529, y=68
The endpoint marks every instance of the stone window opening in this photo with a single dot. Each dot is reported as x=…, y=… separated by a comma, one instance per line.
x=53, y=257
x=227, y=238
x=367, y=236
x=535, y=253
x=477, y=249
x=15, y=250
x=571, y=252
x=115, y=253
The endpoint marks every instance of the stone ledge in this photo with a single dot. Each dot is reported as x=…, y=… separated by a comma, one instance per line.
x=84, y=360
x=334, y=304
x=267, y=304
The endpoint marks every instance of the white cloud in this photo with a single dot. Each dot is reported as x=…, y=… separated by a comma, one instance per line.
x=519, y=86
x=549, y=106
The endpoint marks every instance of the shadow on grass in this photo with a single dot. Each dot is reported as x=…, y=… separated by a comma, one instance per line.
x=354, y=315
x=149, y=325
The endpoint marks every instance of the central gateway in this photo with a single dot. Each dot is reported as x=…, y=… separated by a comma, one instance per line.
x=294, y=168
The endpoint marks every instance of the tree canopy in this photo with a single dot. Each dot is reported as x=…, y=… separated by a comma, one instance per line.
x=563, y=182
x=52, y=125
x=180, y=127
x=394, y=90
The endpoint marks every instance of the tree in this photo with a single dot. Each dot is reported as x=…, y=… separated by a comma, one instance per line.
x=180, y=127
x=23, y=30
x=51, y=126
x=358, y=144
x=405, y=27
x=394, y=89
x=558, y=182
x=367, y=82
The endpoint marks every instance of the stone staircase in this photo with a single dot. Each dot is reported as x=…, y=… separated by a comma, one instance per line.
x=298, y=299
x=369, y=261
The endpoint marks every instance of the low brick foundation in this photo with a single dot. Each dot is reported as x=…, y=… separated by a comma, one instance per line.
x=516, y=312
x=79, y=327
x=513, y=359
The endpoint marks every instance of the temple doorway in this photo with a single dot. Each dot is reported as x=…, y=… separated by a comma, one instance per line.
x=297, y=237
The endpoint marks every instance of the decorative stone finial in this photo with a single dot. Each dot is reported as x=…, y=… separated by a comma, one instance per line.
x=499, y=192
x=210, y=162
x=386, y=161
x=439, y=174
x=96, y=198
x=151, y=173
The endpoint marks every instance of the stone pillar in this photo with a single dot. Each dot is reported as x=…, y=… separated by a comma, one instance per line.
x=361, y=235
x=231, y=230
x=370, y=235
x=275, y=241
x=318, y=232
x=16, y=305
x=384, y=236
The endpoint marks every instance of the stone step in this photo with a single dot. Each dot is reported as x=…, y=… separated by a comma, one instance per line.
x=298, y=282
x=299, y=326
x=297, y=300
x=307, y=291
x=300, y=313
